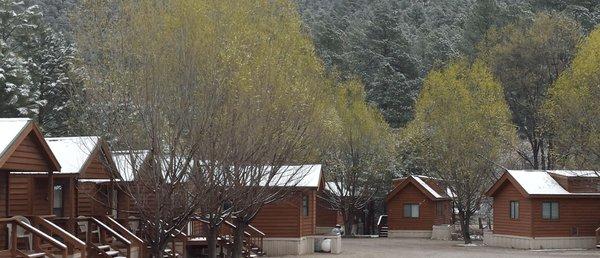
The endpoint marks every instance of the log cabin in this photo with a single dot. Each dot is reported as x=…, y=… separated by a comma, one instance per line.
x=539, y=209
x=89, y=163
x=22, y=150
x=418, y=206
x=289, y=222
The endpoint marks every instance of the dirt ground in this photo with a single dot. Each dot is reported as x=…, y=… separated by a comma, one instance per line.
x=400, y=247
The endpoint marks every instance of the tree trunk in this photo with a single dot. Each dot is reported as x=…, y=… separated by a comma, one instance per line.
x=238, y=239
x=348, y=227
x=212, y=242
x=464, y=224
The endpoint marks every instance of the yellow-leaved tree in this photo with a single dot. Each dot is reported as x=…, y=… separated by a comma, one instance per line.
x=461, y=129
x=222, y=93
x=358, y=154
x=573, y=109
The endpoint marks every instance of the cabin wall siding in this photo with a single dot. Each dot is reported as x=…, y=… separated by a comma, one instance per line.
x=503, y=224
x=20, y=195
x=85, y=204
x=581, y=213
x=97, y=168
x=284, y=218
x=325, y=216
x=410, y=195
x=28, y=156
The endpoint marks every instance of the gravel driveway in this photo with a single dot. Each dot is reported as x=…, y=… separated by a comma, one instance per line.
x=419, y=248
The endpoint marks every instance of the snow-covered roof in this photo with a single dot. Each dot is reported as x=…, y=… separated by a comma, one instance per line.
x=95, y=181
x=73, y=152
x=298, y=176
x=576, y=173
x=10, y=129
x=332, y=187
x=426, y=186
x=537, y=182
x=129, y=161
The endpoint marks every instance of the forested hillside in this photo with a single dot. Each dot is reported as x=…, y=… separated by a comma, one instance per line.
x=392, y=44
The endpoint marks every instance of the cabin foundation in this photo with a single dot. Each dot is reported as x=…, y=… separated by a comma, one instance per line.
x=277, y=246
x=520, y=242
x=442, y=232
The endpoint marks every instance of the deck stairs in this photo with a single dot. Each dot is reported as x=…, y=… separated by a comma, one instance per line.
x=383, y=231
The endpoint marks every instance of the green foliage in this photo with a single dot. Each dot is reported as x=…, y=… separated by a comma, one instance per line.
x=461, y=130
x=573, y=109
x=36, y=69
x=527, y=57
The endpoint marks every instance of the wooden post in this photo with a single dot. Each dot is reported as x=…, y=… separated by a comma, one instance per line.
x=13, y=238
x=50, y=192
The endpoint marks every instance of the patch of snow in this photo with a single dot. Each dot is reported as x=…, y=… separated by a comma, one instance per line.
x=95, y=181
x=73, y=152
x=467, y=245
x=334, y=189
x=427, y=187
x=296, y=176
x=10, y=128
x=576, y=173
x=537, y=182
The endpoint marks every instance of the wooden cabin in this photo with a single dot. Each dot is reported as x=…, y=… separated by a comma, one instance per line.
x=416, y=205
x=537, y=209
x=87, y=162
x=288, y=222
x=39, y=202
x=22, y=150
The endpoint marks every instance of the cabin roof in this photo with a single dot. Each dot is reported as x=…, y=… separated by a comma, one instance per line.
x=73, y=153
x=540, y=182
x=129, y=161
x=576, y=173
x=10, y=129
x=425, y=184
x=14, y=130
x=297, y=176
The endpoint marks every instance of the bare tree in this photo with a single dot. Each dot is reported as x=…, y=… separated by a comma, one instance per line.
x=206, y=89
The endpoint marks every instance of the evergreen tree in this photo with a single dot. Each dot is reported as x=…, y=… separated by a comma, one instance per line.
x=37, y=68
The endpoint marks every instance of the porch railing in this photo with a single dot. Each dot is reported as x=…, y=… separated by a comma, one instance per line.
x=104, y=230
x=73, y=243
x=38, y=238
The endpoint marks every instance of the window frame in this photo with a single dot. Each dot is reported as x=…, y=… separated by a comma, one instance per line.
x=513, y=212
x=439, y=209
x=552, y=205
x=412, y=214
x=305, y=206
x=58, y=211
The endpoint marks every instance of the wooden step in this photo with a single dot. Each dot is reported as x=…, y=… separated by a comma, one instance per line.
x=112, y=253
x=36, y=255
x=103, y=247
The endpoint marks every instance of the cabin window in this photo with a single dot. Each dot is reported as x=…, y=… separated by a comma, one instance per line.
x=305, y=205
x=550, y=210
x=58, y=205
x=411, y=210
x=514, y=210
x=439, y=209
